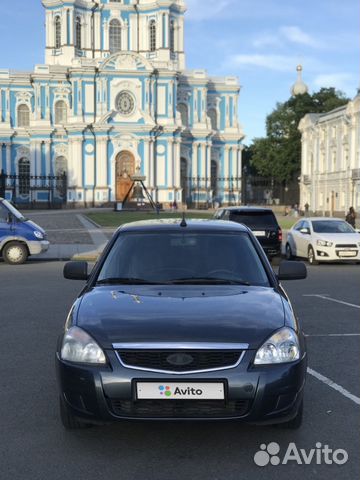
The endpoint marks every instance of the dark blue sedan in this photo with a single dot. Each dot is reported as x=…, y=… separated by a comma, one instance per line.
x=182, y=321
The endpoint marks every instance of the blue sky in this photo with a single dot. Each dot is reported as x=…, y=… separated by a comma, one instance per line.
x=260, y=41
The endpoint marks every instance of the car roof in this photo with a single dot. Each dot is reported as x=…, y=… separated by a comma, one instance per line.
x=247, y=209
x=328, y=219
x=191, y=225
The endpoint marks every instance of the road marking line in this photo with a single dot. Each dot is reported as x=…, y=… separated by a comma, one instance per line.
x=333, y=300
x=334, y=385
x=335, y=335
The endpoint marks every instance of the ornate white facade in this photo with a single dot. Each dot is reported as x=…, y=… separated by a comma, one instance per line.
x=114, y=97
x=330, y=180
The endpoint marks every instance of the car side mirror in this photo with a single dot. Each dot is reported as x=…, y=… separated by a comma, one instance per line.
x=305, y=231
x=76, y=271
x=292, y=271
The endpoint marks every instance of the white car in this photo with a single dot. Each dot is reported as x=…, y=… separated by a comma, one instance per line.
x=323, y=240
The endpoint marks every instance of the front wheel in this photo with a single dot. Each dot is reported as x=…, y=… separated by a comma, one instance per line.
x=311, y=257
x=69, y=421
x=15, y=253
x=296, y=422
x=288, y=252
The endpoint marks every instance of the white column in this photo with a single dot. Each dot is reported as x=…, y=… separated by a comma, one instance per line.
x=208, y=166
x=195, y=170
x=7, y=105
x=64, y=27
x=203, y=165
x=78, y=162
x=106, y=35
x=146, y=161
x=151, y=164
x=97, y=27
x=1, y=104
x=47, y=103
x=72, y=27
x=101, y=163
x=177, y=165
x=38, y=160
x=71, y=166
x=47, y=158
x=8, y=159
x=79, y=100
x=170, y=163
x=226, y=167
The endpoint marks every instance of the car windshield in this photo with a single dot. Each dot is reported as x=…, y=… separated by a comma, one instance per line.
x=334, y=226
x=13, y=210
x=183, y=258
x=255, y=220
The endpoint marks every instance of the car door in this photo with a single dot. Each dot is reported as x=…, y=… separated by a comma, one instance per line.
x=4, y=224
x=304, y=238
x=294, y=240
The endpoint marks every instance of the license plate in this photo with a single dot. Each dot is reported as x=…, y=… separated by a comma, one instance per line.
x=259, y=233
x=179, y=391
x=347, y=254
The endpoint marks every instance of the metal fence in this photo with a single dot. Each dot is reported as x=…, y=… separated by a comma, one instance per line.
x=259, y=190
x=34, y=190
x=204, y=192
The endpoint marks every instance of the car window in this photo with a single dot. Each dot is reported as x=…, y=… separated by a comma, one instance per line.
x=165, y=257
x=219, y=214
x=333, y=226
x=299, y=226
x=255, y=220
x=305, y=225
x=4, y=214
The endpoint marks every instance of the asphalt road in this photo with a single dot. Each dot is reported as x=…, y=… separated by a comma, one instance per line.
x=34, y=300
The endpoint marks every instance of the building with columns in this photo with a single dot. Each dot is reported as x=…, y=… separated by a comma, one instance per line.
x=330, y=166
x=113, y=99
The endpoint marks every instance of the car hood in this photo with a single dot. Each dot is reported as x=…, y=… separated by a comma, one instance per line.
x=33, y=226
x=181, y=314
x=339, y=238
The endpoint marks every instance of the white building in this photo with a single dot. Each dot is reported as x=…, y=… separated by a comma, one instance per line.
x=113, y=98
x=330, y=167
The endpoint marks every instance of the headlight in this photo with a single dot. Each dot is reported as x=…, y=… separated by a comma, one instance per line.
x=282, y=347
x=79, y=347
x=324, y=243
x=39, y=235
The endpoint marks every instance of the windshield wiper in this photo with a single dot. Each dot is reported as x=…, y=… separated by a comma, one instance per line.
x=125, y=281
x=208, y=281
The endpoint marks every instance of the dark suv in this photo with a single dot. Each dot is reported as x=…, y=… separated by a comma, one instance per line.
x=261, y=221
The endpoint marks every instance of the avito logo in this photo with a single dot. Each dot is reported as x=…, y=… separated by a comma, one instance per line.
x=322, y=454
x=180, y=392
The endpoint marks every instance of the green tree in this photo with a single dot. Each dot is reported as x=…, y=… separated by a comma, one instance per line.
x=278, y=155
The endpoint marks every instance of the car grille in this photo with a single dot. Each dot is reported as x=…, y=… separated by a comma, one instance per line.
x=346, y=246
x=179, y=361
x=179, y=409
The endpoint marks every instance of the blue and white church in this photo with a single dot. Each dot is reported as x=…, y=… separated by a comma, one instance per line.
x=114, y=99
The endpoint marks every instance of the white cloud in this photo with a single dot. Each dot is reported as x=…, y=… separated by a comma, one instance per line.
x=201, y=10
x=296, y=35
x=280, y=63
x=341, y=81
x=286, y=34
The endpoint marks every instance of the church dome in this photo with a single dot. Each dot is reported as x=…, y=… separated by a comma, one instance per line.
x=300, y=87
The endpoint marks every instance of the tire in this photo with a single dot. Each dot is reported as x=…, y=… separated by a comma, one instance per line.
x=15, y=253
x=311, y=256
x=288, y=253
x=296, y=422
x=69, y=421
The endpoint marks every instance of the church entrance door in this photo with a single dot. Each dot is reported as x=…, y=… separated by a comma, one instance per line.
x=125, y=169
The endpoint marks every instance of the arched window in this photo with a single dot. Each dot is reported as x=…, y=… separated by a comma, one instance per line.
x=152, y=35
x=115, y=36
x=172, y=36
x=184, y=112
x=57, y=32
x=23, y=116
x=24, y=176
x=212, y=113
x=60, y=112
x=60, y=166
x=78, y=33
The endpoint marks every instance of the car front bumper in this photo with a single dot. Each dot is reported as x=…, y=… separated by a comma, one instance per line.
x=332, y=254
x=37, y=247
x=261, y=395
